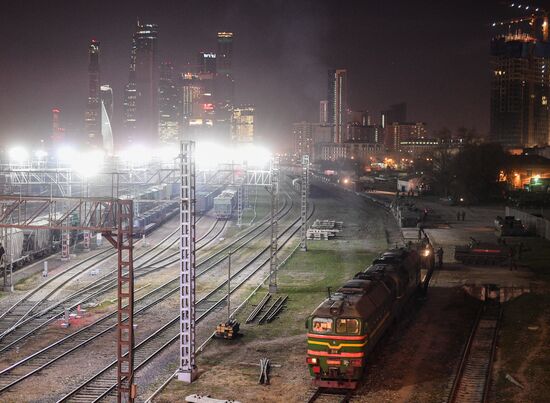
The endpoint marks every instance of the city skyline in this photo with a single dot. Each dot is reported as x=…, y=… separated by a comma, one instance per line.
x=301, y=47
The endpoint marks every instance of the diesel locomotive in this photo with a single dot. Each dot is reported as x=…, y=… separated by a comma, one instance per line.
x=344, y=329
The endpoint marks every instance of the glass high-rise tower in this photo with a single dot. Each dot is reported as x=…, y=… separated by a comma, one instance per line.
x=168, y=104
x=92, y=118
x=224, y=82
x=337, y=103
x=141, y=93
x=520, y=87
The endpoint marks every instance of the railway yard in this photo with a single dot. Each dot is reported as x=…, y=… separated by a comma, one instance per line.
x=448, y=346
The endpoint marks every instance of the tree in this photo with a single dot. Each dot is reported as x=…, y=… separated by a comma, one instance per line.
x=476, y=171
x=442, y=170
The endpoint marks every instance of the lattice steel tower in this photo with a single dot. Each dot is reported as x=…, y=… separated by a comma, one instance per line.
x=305, y=191
x=187, y=367
x=273, y=261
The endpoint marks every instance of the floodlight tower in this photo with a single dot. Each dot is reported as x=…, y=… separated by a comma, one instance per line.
x=66, y=191
x=305, y=190
x=273, y=263
x=246, y=203
x=240, y=186
x=187, y=368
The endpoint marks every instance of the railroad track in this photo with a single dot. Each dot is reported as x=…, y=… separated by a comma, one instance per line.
x=54, y=283
x=31, y=301
x=331, y=395
x=103, y=383
x=38, y=361
x=27, y=312
x=108, y=282
x=473, y=377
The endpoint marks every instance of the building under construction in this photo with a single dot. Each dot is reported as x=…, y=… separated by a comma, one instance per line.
x=520, y=82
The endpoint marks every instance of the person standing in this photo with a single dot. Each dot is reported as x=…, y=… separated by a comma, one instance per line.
x=440, y=258
x=2, y=253
x=520, y=250
x=463, y=215
x=2, y=262
x=512, y=258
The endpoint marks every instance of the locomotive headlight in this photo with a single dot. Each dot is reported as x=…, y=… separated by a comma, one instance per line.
x=345, y=362
x=426, y=252
x=312, y=360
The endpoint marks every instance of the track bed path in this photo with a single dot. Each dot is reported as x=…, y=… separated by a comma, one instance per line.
x=473, y=377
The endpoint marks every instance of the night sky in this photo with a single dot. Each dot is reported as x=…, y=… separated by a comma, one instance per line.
x=433, y=55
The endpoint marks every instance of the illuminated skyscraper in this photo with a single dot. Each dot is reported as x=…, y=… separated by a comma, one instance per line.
x=520, y=89
x=225, y=85
x=323, y=113
x=107, y=140
x=191, y=90
x=206, y=62
x=58, y=132
x=337, y=103
x=242, y=124
x=107, y=99
x=225, y=53
x=93, y=107
x=168, y=104
x=141, y=94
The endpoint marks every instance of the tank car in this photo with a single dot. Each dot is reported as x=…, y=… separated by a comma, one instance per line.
x=344, y=329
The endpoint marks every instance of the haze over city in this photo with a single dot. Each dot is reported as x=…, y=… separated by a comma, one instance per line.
x=274, y=201
x=432, y=56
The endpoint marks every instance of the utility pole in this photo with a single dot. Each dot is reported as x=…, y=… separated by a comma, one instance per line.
x=305, y=190
x=126, y=389
x=187, y=368
x=246, y=189
x=229, y=287
x=240, y=204
x=273, y=261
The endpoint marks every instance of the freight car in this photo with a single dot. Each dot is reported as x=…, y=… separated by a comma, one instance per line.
x=344, y=329
x=154, y=218
x=297, y=184
x=224, y=204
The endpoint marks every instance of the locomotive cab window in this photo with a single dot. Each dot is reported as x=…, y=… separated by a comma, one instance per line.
x=322, y=325
x=347, y=326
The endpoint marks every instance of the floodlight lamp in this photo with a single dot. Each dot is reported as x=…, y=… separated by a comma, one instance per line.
x=253, y=155
x=167, y=153
x=89, y=164
x=209, y=155
x=18, y=154
x=136, y=155
x=40, y=154
x=66, y=154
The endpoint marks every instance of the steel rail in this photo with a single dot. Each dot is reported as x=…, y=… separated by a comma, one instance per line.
x=78, y=333
x=173, y=325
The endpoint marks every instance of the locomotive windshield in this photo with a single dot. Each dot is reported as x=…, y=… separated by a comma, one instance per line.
x=322, y=325
x=350, y=326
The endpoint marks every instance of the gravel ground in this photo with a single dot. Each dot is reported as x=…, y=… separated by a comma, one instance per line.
x=413, y=363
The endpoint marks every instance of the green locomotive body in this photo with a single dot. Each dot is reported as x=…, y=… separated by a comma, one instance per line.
x=344, y=328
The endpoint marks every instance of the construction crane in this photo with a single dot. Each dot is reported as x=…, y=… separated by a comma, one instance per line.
x=535, y=14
